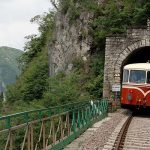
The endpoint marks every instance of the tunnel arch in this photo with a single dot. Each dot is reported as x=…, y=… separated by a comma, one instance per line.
x=141, y=55
x=132, y=54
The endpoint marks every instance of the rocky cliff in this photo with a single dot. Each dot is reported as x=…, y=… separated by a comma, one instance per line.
x=71, y=40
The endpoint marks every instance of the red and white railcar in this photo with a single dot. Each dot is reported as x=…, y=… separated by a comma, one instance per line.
x=136, y=85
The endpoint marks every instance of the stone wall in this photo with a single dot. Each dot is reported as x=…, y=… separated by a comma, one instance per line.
x=118, y=48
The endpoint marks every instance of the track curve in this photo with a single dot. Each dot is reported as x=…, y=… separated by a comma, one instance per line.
x=132, y=133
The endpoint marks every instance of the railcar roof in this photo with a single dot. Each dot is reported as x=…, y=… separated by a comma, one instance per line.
x=138, y=66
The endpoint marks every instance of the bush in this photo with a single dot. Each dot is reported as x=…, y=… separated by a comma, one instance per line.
x=95, y=87
x=62, y=90
x=32, y=83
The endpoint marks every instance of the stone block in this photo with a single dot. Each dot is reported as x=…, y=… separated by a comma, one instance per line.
x=147, y=42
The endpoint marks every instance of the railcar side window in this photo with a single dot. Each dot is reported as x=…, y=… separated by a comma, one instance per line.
x=125, y=75
x=148, y=76
x=137, y=76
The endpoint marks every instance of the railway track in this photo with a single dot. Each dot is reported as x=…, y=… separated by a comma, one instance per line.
x=119, y=143
x=134, y=134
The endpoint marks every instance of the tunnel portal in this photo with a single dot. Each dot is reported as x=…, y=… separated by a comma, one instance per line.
x=132, y=47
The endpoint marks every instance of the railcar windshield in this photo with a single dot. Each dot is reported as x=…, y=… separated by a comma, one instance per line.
x=137, y=76
x=125, y=75
x=148, y=77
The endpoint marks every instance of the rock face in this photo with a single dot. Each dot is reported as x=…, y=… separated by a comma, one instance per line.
x=71, y=41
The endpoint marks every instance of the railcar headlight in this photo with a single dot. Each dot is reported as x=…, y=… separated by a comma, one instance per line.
x=129, y=97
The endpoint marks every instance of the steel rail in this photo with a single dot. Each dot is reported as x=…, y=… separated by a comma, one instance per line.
x=122, y=134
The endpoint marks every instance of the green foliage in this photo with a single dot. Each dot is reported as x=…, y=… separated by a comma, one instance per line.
x=74, y=14
x=65, y=88
x=78, y=63
x=32, y=82
x=97, y=63
x=37, y=43
x=19, y=106
x=95, y=86
x=78, y=85
x=72, y=9
x=62, y=89
x=111, y=17
x=65, y=4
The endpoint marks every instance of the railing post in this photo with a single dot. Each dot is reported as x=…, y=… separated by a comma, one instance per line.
x=29, y=139
x=73, y=121
x=8, y=123
x=32, y=135
x=79, y=119
x=40, y=115
x=86, y=115
x=62, y=130
x=68, y=124
x=11, y=141
x=89, y=114
x=53, y=131
x=82, y=118
x=44, y=138
x=26, y=117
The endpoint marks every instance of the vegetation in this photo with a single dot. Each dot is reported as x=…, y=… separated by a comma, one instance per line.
x=109, y=17
x=84, y=83
x=115, y=17
x=35, y=89
x=62, y=88
x=31, y=84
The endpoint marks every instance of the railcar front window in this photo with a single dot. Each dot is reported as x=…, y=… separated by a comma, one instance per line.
x=148, y=76
x=137, y=76
x=125, y=75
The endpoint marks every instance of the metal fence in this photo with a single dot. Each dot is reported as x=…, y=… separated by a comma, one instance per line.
x=51, y=128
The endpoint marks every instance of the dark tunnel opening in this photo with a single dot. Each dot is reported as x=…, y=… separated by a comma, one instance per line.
x=141, y=55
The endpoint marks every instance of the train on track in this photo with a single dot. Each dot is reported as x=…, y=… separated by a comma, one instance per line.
x=136, y=85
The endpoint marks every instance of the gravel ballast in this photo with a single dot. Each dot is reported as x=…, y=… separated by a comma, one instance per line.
x=97, y=136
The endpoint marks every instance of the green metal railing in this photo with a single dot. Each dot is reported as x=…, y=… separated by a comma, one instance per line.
x=49, y=128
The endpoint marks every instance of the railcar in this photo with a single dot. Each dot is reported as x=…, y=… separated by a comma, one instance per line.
x=136, y=85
